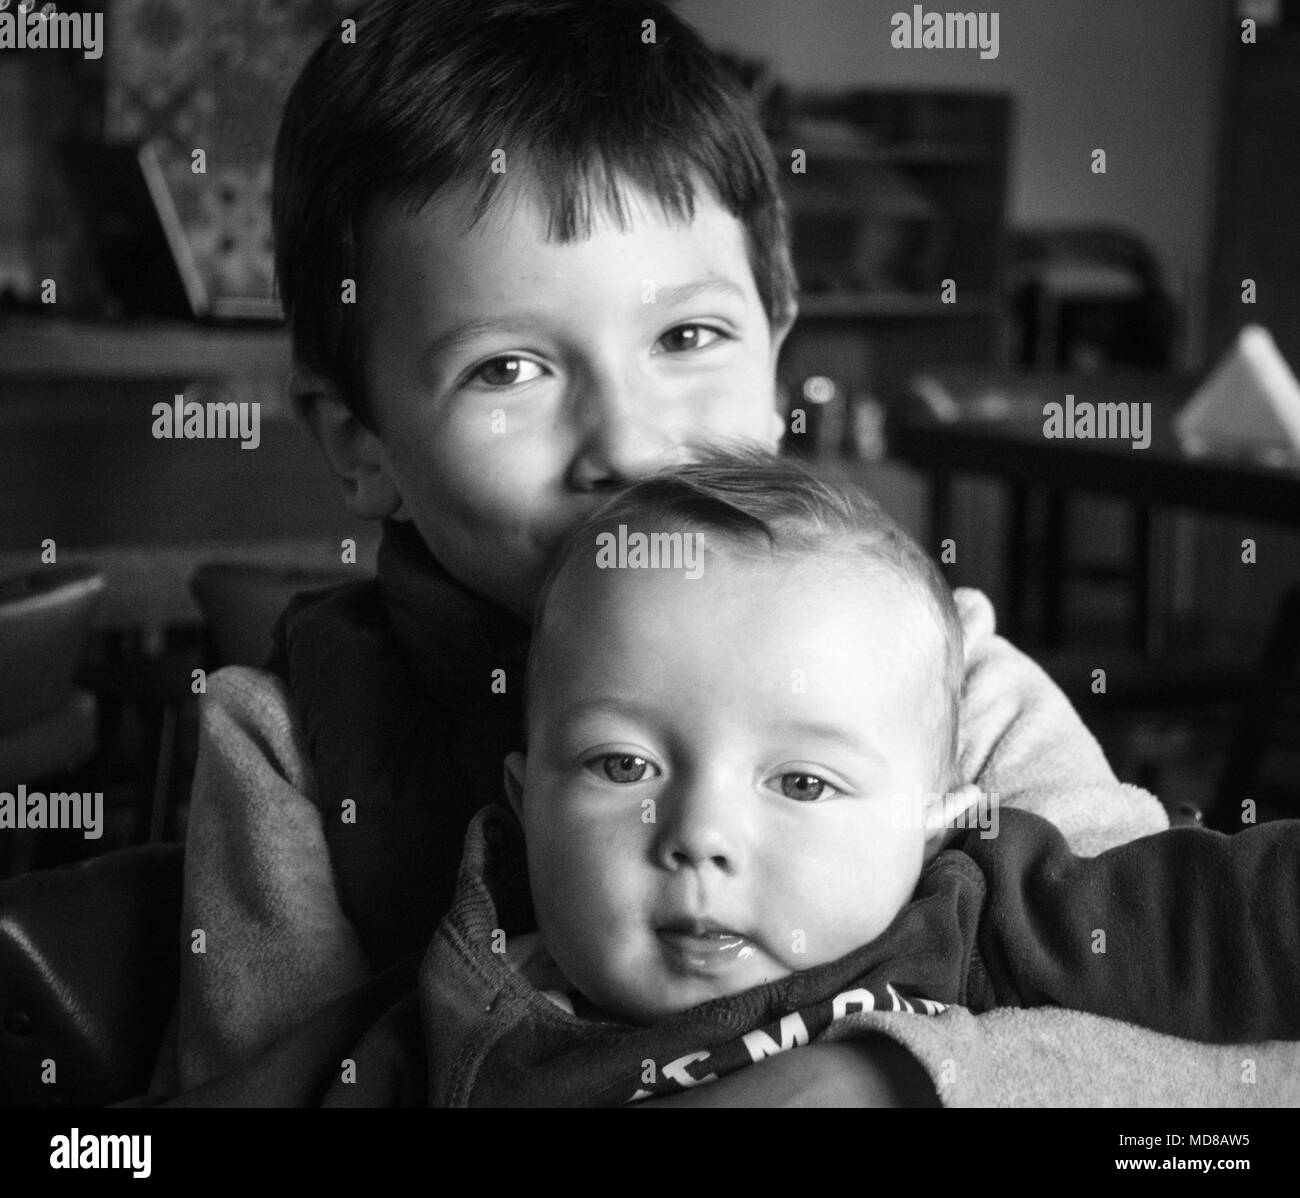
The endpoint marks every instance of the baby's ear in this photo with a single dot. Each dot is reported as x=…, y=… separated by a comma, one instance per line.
x=949, y=812
x=514, y=779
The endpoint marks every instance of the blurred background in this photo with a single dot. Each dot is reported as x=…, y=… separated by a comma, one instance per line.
x=963, y=263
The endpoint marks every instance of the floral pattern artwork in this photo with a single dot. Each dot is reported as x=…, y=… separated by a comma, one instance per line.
x=189, y=75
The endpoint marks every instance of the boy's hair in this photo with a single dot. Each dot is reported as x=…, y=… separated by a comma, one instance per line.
x=748, y=499
x=579, y=102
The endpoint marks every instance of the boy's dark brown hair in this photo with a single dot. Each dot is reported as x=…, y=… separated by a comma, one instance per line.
x=574, y=92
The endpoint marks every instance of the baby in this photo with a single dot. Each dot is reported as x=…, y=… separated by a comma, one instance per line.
x=742, y=823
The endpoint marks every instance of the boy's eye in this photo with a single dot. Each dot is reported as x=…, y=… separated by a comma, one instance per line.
x=507, y=371
x=621, y=767
x=806, y=788
x=686, y=337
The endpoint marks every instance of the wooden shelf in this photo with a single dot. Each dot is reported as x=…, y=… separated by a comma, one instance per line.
x=53, y=348
x=899, y=154
x=894, y=305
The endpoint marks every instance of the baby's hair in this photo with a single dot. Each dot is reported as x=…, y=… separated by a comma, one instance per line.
x=753, y=503
x=579, y=101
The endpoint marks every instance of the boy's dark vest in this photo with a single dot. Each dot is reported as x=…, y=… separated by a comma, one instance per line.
x=393, y=683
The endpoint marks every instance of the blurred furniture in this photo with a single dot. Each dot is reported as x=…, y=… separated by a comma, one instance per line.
x=241, y=602
x=1256, y=234
x=88, y=953
x=996, y=430
x=1268, y=722
x=88, y=974
x=1088, y=298
x=890, y=193
x=79, y=462
x=48, y=727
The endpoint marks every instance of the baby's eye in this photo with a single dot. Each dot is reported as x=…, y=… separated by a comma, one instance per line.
x=806, y=788
x=621, y=767
x=686, y=337
x=507, y=371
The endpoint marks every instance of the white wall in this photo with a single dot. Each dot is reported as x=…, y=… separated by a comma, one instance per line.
x=1141, y=79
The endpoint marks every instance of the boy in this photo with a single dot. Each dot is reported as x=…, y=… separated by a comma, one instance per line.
x=495, y=183
x=738, y=802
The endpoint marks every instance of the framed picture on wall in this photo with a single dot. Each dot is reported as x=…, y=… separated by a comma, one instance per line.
x=200, y=86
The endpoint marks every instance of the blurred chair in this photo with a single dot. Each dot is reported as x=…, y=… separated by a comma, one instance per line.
x=1268, y=727
x=88, y=968
x=48, y=727
x=241, y=602
x=89, y=952
x=1088, y=299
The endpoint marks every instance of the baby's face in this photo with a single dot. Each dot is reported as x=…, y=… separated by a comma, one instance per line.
x=723, y=773
x=514, y=380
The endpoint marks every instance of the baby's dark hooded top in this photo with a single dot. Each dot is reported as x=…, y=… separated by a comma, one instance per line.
x=1188, y=932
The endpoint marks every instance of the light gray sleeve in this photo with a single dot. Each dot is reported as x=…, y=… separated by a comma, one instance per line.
x=259, y=894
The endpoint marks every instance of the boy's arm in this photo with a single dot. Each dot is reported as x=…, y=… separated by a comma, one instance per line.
x=1050, y=1057
x=870, y=1071
x=1189, y=932
x=1022, y=741
x=258, y=885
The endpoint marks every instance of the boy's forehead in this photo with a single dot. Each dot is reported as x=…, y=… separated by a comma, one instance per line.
x=521, y=220
x=435, y=283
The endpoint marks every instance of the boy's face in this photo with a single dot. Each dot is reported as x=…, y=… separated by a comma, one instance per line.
x=724, y=773
x=513, y=381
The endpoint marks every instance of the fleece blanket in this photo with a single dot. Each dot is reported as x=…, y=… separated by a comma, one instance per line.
x=276, y=945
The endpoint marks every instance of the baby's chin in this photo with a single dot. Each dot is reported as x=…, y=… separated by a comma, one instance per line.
x=657, y=994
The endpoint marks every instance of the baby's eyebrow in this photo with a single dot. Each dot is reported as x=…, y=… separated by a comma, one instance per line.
x=854, y=742
x=611, y=705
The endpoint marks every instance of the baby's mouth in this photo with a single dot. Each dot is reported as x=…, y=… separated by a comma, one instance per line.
x=702, y=946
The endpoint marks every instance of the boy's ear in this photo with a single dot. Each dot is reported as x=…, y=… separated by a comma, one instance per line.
x=514, y=778
x=945, y=814
x=782, y=330
x=779, y=334
x=355, y=454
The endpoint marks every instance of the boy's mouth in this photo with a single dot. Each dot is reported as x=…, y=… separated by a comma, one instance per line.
x=702, y=946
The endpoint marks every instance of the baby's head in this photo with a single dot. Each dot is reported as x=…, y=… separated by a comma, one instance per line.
x=737, y=764
x=529, y=251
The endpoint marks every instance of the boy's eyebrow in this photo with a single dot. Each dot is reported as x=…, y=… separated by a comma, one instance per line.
x=686, y=292
x=467, y=330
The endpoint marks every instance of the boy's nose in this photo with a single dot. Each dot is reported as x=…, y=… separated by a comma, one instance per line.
x=627, y=435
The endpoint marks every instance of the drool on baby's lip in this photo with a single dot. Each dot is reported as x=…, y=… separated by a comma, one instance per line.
x=703, y=947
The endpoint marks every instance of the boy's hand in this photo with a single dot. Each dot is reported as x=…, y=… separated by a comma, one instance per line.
x=871, y=1072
